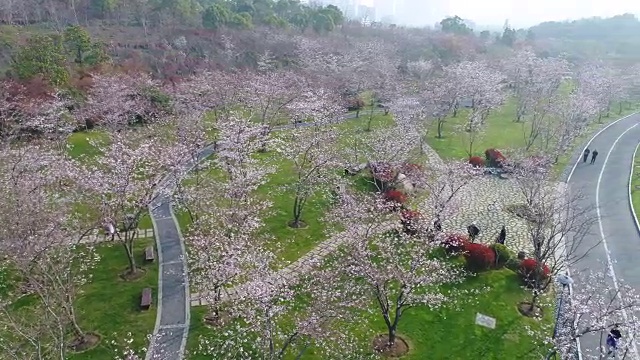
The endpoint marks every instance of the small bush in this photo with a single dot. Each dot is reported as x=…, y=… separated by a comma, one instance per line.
x=503, y=254
x=395, y=196
x=355, y=103
x=479, y=257
x=454, y=242
x=529, y=274
x=408, y=219
x=513, y=264
x=476, y=161
x=494, y=158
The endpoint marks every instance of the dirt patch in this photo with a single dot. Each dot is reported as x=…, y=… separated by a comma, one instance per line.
x=133, y=276
x=88, y=342
x=299, y=225
x=399, y=348
x=219, y=320
x=525, y=309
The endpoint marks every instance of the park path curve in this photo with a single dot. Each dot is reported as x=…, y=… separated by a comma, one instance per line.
x=613, y=237
x=171, y=330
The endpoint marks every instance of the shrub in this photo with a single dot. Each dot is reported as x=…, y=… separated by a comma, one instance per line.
x=479, y=257
x=529, y=274
x=476, y=161
x=494, y=157
x=408, y=220
x=355, y=103
x=503, y=254
x=395, y=196
x=454, y=242
x=513, y=264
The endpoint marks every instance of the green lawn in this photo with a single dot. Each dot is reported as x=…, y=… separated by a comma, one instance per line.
x=111, y=306
x=635, y=183
x=502, y=132
x=450, y=332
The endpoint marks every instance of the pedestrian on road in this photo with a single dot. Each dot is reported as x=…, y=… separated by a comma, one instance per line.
x=502, y=236
x=612, y=341
x=594, y=155
x=585, y=155
x=473, y=231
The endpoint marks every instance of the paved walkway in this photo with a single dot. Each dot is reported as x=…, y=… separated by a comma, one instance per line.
x=172, y=323
x=613, y=234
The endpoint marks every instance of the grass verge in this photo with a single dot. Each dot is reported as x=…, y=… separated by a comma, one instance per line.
x=111, y=306
x=635, y=184
x=449, y=332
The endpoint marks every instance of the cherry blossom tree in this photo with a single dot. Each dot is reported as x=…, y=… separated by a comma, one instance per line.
x=556, y=225
x=275, y=324
x=223, y=240
x=444, y=182
x=266, y=95
x=122, y=99
x=311, y=149
x=532, y=79
x=25, y=111
x=41, y=246
x=125, y=178
x=592, y=309
x=389, y=266
x=209, y=91
x=571, y=114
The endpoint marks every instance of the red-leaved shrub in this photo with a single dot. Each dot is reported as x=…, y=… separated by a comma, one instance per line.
x=476, y=161
x=530, y=274
x=479, y=257
x=494, y=157
x=408, y=220
x=395, y=196
x=454, y=242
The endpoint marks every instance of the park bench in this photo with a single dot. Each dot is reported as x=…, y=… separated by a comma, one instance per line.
x=146, y=299
x=149, y=254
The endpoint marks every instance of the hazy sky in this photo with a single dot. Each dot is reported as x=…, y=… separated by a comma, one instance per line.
x=521, y=13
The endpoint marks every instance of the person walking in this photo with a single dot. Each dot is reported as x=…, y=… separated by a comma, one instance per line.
x=585, y=155
x=502, y=236
x=612, y=341
x=473, y=231
x=594, y=155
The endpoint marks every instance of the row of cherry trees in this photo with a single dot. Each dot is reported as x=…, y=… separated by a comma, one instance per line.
x=150, y=129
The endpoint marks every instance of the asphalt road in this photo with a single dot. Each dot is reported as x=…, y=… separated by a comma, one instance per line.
x=612, y=242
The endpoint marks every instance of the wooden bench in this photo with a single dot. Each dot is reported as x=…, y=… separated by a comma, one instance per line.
x=149, y=254
x=146, y=299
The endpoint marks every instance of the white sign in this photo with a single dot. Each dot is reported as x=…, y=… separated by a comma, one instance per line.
x=486, y=321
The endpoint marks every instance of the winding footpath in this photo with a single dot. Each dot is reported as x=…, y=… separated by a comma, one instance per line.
x=613, y=239
x=172, y=321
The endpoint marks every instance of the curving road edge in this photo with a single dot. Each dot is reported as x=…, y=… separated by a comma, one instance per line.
x=633, y=164
x=613, y=238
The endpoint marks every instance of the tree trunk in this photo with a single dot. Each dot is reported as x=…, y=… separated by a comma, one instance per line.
x=297, y=211
x=440, y=125
x=128, y=247
x=620, y=108
x=357, y=113
x=392, y=336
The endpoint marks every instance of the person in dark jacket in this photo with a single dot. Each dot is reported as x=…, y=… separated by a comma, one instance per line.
x=437, y=226
x=612, y=340
x=585, y=155
x=594, y=155
x=502, y=236
x=473, y=231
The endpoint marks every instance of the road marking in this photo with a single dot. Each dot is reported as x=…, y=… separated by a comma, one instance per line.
x=173, y=326
x=604, y=240
x=591, y=140
x=633, y=161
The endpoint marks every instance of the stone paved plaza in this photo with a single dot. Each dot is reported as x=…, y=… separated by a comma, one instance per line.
x=484, y=202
